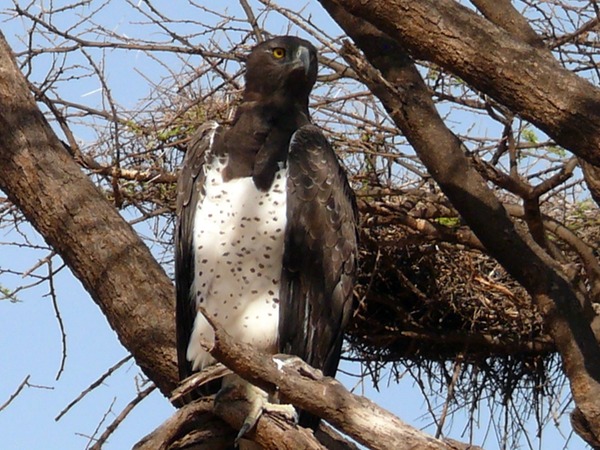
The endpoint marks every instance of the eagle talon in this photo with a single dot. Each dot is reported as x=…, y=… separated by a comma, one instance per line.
x=259, y=403
x=258, y=399
x=288, y=412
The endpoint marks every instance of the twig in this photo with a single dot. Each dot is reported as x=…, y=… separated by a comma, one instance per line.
x=252, y=21
x=93, y=386
x=198, y=379
x=115, y=423
x=61, y=325
x=104, y=417
x=24, y=383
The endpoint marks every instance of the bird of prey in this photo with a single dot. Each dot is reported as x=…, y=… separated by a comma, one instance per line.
x=266, y=239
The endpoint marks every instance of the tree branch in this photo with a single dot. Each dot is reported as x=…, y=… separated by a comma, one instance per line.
x=515, y=74
x=100, y=248
x=309, y=390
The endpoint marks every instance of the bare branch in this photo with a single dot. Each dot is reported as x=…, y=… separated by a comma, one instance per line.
x=93, y=386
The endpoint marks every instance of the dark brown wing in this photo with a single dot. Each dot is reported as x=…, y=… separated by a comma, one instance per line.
x=320, y=253
x=189, y=192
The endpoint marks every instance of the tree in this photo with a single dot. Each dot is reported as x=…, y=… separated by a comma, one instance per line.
x=483, y=244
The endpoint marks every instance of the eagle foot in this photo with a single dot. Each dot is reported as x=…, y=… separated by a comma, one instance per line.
x=259, y=403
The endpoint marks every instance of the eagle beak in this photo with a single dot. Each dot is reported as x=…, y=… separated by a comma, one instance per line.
x=303, y=59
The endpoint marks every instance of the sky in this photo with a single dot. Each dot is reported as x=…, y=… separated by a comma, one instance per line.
x=30, y=337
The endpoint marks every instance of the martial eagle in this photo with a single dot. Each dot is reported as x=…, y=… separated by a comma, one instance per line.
x=266, y=239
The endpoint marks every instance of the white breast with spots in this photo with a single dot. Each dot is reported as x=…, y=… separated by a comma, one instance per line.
x=238, y=242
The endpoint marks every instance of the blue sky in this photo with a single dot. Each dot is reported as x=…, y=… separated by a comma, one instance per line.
x=30, y=339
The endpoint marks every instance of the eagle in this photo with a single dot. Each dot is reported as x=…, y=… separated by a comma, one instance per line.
x=266, y=234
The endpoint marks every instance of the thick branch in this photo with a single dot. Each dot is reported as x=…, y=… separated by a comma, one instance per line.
x=308, y=389
x=517, y=75
x=503, y=14
x=100, y=248
x=194, y=425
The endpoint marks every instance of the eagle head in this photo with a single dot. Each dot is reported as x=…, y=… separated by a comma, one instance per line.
x=283, y=68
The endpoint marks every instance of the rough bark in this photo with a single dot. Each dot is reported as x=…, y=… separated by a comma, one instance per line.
x=503, y=14
x=100, y=248
x=191, y=427
x=592, y=179
x=406, y=98
x=517, y=75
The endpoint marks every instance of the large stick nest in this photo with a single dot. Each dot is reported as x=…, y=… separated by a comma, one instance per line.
x=422, y=299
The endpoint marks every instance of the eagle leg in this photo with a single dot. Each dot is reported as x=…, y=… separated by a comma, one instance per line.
x=259, y=403
x=235, y=388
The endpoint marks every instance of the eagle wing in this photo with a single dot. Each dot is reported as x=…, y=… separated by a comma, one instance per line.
x=320, y=252
x=190, y=191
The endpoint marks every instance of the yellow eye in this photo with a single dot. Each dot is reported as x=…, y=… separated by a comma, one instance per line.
x=278, y=52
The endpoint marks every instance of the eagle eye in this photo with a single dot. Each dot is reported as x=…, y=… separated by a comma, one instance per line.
x=278, y=52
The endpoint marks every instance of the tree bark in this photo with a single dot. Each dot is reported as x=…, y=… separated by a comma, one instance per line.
x=100, y=248
x=517, y=75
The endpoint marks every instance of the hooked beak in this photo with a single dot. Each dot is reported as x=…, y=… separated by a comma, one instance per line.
x=302, y=59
